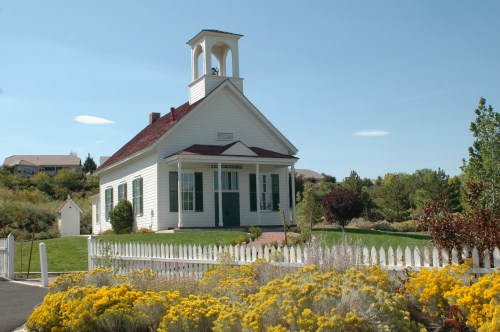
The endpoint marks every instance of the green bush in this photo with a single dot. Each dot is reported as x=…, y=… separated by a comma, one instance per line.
x=122, y=217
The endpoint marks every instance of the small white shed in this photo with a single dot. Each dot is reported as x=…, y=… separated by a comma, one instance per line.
x=68, y=218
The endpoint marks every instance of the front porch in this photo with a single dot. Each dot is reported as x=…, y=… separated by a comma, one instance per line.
x=228, y=191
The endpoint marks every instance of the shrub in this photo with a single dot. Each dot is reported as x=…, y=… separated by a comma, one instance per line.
x=232, y=281
x=255, y=232
x=341, y=205
x=122, y=217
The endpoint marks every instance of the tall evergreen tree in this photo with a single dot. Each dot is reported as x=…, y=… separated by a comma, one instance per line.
x=483, y=166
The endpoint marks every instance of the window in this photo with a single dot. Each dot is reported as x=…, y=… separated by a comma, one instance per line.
x=108, y=202
x=225, y=136
x=137, y=201
x=229, y=181
x=187, y=186
x=265, y=193
x=122, y=192
x=269, y=192
x=191, y=191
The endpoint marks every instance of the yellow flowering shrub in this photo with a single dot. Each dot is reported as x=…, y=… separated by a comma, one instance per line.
x=311, y=300
x=233, y=281
x=117, y=308
x=429, y=286
x=195, y=313
x=480, y=302
x=237, y=298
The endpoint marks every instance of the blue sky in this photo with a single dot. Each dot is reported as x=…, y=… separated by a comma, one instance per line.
x=371, y=86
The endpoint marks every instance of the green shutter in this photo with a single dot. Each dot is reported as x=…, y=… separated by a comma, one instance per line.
x=275, y=187
x=140, y=196
x=134, y=196
x=174, y=193
x=198, y=191
x=253, y=192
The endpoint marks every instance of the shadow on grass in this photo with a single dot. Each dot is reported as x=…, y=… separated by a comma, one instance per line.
x=375, y=232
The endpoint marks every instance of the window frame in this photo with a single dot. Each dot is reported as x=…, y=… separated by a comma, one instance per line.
x=187, y=179
x=108, y=202
x=123, y=195
x=228, y=177
x=138, y=196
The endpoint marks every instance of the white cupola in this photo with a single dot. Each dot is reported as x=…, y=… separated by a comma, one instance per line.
x=206, y=74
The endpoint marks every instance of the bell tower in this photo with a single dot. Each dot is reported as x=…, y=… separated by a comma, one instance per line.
x=207, y=75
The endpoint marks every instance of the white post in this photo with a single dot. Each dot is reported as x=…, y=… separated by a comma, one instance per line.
x=10, y=256
x=179, y=193
x=90, y=251
x=294, y=212
x=43, y=265
x=257, y=190
x=219, y=185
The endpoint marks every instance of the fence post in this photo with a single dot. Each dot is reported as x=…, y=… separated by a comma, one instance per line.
x=43, y=265
x=90, y=251
x=10, y=256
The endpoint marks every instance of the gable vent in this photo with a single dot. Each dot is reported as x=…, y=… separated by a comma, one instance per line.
x=225, y=136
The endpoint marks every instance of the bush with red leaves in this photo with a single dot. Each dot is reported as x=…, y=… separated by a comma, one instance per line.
x=477, y=227
x=341, y=205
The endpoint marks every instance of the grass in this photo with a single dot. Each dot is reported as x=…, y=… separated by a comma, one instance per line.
x=70, y=253
x=374, y=238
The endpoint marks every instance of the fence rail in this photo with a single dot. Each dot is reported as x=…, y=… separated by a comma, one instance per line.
x=195, y=259
x=7, y=257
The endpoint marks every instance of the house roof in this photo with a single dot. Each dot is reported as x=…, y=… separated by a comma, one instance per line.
x=43, y=160
x=58, y=210
x=218, y=150
x=204, y=31
x=150, y=134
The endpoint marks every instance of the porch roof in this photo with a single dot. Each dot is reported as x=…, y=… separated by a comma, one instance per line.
x=205, y=152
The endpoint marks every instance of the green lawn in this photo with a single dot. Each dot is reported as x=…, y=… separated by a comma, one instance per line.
x=70, y=253
x=373, y=238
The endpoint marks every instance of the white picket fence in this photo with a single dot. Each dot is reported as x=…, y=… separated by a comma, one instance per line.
x=181, y=260
x=7, y=257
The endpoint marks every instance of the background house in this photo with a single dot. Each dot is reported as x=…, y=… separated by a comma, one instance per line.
x=30, y=164
x=215, y=161
x=68, y=218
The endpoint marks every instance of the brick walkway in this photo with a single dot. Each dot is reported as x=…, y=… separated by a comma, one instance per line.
x=270, y=237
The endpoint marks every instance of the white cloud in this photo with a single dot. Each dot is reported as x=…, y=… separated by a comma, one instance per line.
x=92, y=120
x=371, y=133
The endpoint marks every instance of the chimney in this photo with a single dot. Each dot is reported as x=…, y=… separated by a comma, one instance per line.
x=153, y=117
x=172, y=113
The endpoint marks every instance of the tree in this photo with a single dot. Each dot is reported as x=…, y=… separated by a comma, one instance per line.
x=309, y=208
x=483, y=165
x=122, y=217
x=43, y=182
x=341, y=205
x=89, y=165
x=66, y=181
x=362, y=187
x=392, y=195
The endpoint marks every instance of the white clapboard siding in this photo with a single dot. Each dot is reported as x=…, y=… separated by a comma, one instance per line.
x=194, y=260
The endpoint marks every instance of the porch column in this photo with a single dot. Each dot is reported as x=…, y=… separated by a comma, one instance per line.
x=294, y=212
x=179, y=192
x=219, y=185
x=257, y=189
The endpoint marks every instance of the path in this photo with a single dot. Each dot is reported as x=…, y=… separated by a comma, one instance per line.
x=17, y=301
x=270, y=237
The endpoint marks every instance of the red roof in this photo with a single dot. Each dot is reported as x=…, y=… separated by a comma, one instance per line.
x=217, y=150
x=149, y=135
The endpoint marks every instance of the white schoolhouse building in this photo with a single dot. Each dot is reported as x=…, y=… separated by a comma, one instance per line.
x=215, y=161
